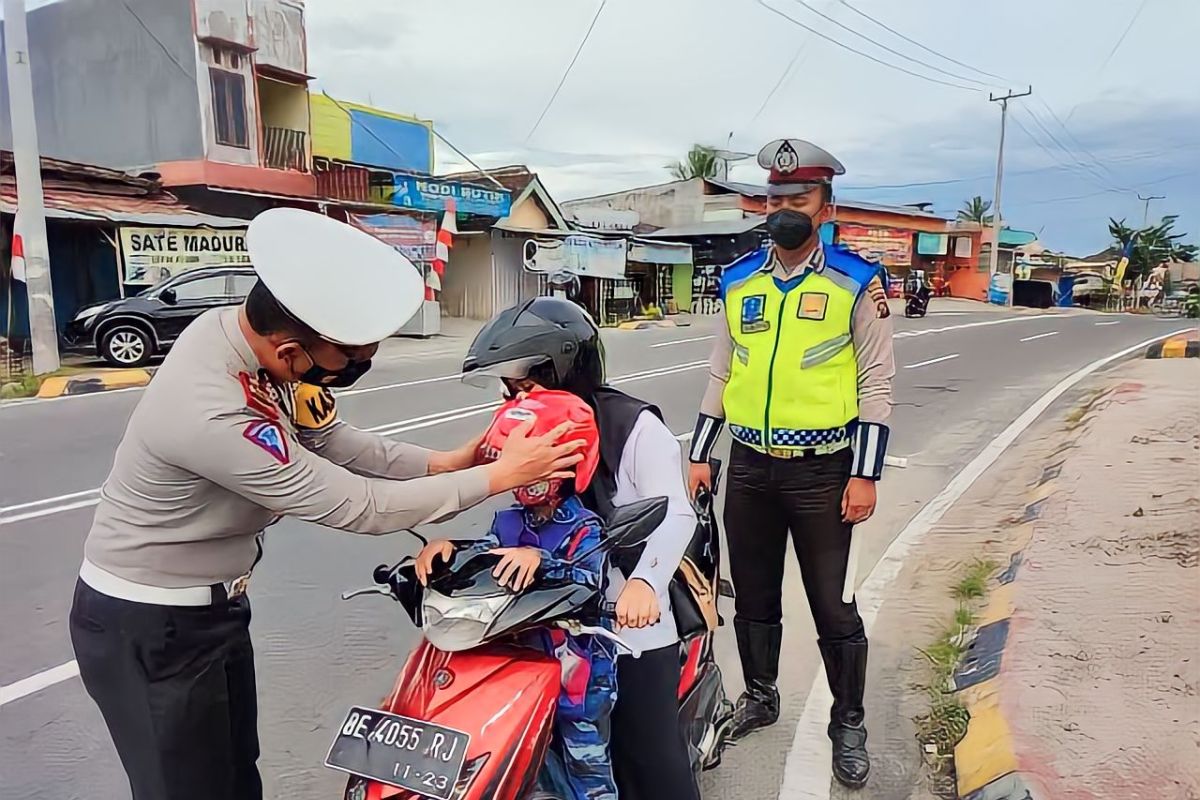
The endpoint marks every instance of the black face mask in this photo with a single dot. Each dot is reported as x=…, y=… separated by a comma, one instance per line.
x=789, y=229
x=316, y=375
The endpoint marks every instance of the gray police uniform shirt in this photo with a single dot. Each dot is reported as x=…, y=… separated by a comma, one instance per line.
x=213, y=454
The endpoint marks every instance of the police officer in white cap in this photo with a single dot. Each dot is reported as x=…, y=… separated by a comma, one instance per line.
x=223, y=443
x=801, y=371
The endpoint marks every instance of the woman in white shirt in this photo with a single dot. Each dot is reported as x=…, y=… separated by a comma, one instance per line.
x=553, y=343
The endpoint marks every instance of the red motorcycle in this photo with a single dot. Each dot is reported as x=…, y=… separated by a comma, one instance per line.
x=470, y=716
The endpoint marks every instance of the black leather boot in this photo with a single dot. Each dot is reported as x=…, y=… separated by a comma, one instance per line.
x=758, y=707
x=846, y=668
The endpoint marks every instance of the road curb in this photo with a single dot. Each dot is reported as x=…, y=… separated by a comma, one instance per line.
x=986, y=763
x=1185, y=346
x=92, y=382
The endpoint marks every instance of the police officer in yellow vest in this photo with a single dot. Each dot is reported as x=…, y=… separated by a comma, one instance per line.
x=801, y=371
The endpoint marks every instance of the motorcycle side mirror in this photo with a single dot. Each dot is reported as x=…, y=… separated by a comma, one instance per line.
x=631, y=525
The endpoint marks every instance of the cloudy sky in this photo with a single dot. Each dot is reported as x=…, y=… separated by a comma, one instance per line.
x=657, y=75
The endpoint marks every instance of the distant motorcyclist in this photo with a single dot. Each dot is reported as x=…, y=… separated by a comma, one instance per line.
x=916, y=294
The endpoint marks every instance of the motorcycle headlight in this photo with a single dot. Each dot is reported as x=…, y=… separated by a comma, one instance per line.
x=453, y=623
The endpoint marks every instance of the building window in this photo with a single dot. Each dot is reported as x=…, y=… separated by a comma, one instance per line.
x=229, y=107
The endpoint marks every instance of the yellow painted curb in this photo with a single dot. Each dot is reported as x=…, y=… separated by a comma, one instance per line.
x=1001, y=604
x=986, y=751
x=1040, y=493
x=1175, y=348
x=90, y=382
x=1023, y=536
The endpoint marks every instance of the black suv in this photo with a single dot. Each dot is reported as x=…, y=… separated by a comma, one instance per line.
x=128, y=332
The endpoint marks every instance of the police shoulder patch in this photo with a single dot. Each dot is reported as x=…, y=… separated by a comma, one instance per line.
x=259, y=397
x=269, y=436
x=879, y=298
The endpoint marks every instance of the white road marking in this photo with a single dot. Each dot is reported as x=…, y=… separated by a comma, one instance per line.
x=937, y=360
x=1110, y=322
x=35, y=683
x=948, y=313
x=1040, y=336
x=69, y=502
x=806, y=771
x=984, y=324
x=401, y=385
x=682, y=341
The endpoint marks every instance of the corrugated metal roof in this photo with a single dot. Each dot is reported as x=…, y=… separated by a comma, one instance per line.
x=722, y=227
x=64, y=202
x=747, y=189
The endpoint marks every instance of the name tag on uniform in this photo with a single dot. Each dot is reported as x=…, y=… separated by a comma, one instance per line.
x=812, y=305
x=754, y=313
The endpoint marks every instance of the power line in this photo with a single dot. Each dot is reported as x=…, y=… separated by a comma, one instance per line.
x=158, y=41
x=1078, y=168
x=930, y=50
x=844, y=46
x=882, y=46
x=779, y=83
x=1067, y=151
x=1132, y=21
x=567, y=71
x=1058, y=167
x=1072, y=137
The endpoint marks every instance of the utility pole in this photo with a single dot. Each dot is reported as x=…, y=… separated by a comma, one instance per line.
x=1146, y=200
x=996, y=223
x=30, y=219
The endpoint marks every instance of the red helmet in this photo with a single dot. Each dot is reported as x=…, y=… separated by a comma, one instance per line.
x=548, y=409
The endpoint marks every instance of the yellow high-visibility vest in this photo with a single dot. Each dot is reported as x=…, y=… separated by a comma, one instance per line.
x=793, y=381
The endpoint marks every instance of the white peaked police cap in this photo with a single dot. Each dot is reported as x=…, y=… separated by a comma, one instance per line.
x=345, y=284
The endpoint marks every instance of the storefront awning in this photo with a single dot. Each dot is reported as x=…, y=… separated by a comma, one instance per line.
x=648, y=252
x=162, y=210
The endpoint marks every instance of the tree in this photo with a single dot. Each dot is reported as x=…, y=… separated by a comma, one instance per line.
x=976, y=210
x=701, y=163
x=1152, y=245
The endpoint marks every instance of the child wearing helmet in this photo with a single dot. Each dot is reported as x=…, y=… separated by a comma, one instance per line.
x=539, y=537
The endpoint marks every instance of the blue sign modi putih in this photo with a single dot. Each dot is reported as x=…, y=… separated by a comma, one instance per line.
x=431, y=194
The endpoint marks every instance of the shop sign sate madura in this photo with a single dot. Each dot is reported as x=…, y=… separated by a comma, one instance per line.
x=151, y=255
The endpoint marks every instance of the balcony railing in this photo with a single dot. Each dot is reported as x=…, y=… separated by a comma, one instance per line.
x=283, y=148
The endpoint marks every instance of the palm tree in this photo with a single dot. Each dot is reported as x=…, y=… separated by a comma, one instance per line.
x=1152, y=245
x=976, y=210
x=702, y=162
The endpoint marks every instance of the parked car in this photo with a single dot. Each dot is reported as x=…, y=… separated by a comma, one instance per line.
x=1090, y=288
x=130, y=331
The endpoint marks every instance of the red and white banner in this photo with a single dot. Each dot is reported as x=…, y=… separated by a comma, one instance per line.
x=445, y=240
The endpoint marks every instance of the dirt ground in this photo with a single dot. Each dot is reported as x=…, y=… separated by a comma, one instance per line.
x=1100, y=674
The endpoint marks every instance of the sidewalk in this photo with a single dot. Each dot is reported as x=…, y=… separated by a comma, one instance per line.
x=1082, y=671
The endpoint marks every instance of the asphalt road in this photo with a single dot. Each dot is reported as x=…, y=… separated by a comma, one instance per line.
x=962, y=376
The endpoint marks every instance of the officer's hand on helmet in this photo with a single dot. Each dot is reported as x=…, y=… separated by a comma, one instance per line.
x=430, y=553
x=528, y=459
x=699, y=474
x=858, y=501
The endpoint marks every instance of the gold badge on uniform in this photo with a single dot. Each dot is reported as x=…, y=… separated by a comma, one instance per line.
x=812, y=305
x=313, y=406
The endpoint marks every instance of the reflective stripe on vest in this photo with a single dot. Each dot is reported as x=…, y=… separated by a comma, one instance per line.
x=793, y=381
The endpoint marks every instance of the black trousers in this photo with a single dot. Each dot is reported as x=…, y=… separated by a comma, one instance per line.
x=649, y=751
x=176, y=688
x=767, y=497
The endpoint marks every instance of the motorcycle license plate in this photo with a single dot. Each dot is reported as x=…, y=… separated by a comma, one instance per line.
x=414, y=755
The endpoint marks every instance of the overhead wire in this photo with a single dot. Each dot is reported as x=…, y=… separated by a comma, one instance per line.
x=927, y=49
x=567, y=71
x=1033, y=117
x=783, y=76
x=894, y=52
x=867, y=56
x=1132, y=21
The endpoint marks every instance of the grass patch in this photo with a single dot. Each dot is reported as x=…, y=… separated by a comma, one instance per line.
x=945, y=723
x=13, y=386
